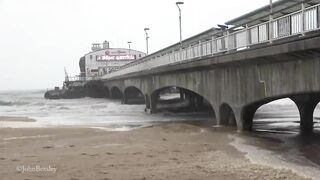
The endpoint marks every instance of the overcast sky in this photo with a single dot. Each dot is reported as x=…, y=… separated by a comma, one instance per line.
x=38, y=38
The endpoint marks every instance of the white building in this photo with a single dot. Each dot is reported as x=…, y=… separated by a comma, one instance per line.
x=102, y=60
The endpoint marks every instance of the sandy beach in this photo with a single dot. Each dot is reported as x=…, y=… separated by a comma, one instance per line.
x=167, y=151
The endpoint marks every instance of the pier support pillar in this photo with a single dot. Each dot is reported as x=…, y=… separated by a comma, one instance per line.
x=182, y=94
x=217, y=114
x=227, y=116
x=306, y=105
x=124, y=99
x=241, y=117
x=151, y=103
x=147, y=100
x=245, y=116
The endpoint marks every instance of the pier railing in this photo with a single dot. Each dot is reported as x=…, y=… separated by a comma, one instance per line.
x=294, y=24
x=76, y=78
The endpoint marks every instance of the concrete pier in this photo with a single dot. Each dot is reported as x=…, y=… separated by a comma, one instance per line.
x=235, y=84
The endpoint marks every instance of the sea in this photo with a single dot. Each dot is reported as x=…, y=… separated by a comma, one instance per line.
x=275, y=140
x=84, y=112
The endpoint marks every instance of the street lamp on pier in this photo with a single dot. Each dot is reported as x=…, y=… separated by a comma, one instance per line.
x=270, y=22
x=129, y=42
x=271, y=8
x=147, y=37
x=180, y=3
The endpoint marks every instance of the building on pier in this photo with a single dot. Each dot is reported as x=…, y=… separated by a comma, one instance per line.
x=103, y=59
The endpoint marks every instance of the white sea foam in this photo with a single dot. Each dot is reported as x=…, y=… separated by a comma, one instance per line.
x=26, y=137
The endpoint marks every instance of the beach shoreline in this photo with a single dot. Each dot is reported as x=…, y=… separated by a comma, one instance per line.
x=166, y=151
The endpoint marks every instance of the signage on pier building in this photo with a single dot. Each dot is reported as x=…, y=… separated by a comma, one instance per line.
x=116, y=57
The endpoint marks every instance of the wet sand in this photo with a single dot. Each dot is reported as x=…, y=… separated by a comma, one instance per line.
x=168, y=151
x=15, y=119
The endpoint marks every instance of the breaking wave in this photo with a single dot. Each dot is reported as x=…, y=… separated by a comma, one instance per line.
x=9, y=103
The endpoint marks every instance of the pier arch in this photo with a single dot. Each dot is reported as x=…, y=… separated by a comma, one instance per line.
x=302, y=108
x=115, y=93
x=276, y=115
x=180, y=99
x=133, y=95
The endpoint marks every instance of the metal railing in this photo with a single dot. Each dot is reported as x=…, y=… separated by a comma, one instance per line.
x=297, y=23
x=76, y=78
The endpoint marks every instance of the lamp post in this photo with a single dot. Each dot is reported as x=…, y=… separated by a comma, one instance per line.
x=270, y=22
x=147, y=37
x=303, y=9
x=129, y=42
x=271, y=8
x=180, y=3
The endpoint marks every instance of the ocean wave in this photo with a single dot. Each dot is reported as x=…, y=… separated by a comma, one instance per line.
x=39, y=104
x=63, y=108
x=9, y=103
x=5, y=103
